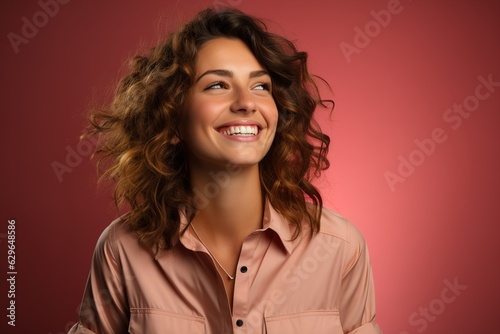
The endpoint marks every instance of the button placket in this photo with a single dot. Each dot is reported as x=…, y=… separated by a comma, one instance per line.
x=243, y=282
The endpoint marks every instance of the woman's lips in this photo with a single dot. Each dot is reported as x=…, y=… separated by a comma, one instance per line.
x=240, y=132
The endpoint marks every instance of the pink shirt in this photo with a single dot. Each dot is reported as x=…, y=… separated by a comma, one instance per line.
x=317, y=285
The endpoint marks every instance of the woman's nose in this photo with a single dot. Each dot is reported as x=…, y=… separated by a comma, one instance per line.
x=243, y=102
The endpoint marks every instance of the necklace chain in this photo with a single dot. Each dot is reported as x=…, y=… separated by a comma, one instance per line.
x=213, y=256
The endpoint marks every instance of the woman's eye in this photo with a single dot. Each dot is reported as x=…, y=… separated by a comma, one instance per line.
x=217, y=85
x=264, y=86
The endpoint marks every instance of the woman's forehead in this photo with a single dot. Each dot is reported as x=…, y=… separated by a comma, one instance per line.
x=226, y=53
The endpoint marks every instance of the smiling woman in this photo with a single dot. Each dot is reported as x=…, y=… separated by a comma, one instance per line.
x=230, y=114
x=223, y=108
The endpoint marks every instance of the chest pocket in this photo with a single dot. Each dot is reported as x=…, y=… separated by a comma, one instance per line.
x=153, y=321
x=317, y=322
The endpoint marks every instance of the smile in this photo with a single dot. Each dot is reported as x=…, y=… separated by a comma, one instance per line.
x=242, y=130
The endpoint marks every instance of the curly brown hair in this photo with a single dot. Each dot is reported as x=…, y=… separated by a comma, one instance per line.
x=138, y=128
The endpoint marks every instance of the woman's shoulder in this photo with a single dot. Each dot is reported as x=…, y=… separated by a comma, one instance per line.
x=338, y=234
x=115, y=231
x=117, y=238
x=338, y=226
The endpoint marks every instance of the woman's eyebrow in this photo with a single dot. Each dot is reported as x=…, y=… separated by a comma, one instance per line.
x=230, y=74
x=256, y=74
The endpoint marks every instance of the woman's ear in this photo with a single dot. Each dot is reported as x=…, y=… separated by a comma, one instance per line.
x=175, y=140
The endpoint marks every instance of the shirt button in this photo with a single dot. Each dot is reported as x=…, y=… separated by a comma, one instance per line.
x=244, y=269
x=239, y=322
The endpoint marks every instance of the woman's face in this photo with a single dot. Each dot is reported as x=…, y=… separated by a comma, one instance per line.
x=230, y=115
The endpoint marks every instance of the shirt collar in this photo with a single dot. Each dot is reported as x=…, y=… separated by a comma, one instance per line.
x=272, y=220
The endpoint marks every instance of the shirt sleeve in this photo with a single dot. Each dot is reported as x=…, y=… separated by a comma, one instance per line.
x=357, y=303
x=104, y=305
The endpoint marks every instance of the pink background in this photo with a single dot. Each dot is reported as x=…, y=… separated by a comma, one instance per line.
x=439, y=225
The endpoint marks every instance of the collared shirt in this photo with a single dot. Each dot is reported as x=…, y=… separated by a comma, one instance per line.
x=319, y=284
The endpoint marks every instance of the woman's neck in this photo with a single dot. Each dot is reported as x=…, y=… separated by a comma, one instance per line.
x=230, y=203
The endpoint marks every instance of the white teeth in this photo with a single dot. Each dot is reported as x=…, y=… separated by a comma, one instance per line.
x=250, y=130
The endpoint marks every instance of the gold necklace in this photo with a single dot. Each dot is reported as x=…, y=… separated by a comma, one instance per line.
x=213, y=256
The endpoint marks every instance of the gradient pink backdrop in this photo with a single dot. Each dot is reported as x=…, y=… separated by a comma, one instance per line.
x=439, y=225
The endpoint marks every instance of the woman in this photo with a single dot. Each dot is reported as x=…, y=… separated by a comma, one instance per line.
x=211, y=141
